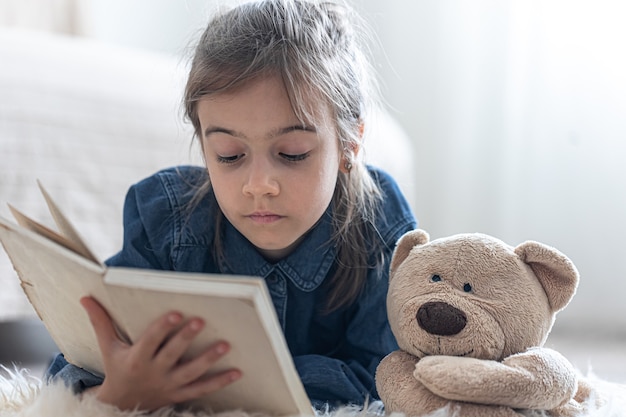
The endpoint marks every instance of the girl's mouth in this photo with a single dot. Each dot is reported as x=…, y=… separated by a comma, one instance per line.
x=264, y=218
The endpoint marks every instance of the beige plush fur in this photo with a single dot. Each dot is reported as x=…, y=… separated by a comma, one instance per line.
x=471, y=314
x=22, y=395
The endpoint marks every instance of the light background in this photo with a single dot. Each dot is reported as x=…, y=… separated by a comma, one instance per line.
x=516, y=109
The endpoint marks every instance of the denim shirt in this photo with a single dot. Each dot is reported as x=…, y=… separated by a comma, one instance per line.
x=335, y=354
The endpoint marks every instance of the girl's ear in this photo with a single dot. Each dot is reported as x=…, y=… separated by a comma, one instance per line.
x=350, y=152
x=345, y=166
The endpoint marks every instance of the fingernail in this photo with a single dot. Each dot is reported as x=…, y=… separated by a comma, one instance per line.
x=221, y=348
x=174, y=318
x=195, y=325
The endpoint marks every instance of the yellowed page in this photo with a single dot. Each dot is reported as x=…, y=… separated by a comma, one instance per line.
x=66, y=227
x=54, y=279
x=34, y=226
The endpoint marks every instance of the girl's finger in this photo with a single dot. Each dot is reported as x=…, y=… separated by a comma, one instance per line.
x=157, y=332
x=102, y=324
x=173, y=349
x=207, y=385
x=190, y=371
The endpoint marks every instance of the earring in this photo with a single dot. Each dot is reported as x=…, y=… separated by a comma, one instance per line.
x=347, y=165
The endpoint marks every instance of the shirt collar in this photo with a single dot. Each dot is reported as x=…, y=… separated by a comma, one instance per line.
x=306, y=266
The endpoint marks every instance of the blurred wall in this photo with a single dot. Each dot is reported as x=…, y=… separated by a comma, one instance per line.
x=518, y=112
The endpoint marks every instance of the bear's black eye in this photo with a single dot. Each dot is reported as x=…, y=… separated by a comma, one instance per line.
x=435, y=278
x=467, y=287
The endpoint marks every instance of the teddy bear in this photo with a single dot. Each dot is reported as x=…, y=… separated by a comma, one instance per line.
x=470, y=315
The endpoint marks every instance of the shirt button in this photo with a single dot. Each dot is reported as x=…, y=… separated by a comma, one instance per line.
x=272, y=279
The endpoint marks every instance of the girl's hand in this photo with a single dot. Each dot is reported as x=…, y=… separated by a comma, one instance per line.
x=149, y=374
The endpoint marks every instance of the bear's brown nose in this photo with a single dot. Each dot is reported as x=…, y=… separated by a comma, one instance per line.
x=441, y=318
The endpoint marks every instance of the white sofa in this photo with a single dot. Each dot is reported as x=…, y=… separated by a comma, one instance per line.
x=88, y=119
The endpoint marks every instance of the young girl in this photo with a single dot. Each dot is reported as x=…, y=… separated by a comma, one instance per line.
x=277, y=94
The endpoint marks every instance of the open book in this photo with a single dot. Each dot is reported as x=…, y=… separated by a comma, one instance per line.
x=56, y=269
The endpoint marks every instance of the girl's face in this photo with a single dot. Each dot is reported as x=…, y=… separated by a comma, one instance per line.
x=273, y=177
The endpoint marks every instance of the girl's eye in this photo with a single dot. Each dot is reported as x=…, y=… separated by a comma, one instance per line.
x=435, y=278
x=228, y=159
x=294, y=158
x=467, y=287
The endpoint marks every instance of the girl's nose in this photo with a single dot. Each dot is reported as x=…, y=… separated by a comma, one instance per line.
x=261, y=180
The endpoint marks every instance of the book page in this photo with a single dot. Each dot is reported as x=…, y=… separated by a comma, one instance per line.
x=66, y=227
x=236, y=309
x=34, y=226
x=54, y=279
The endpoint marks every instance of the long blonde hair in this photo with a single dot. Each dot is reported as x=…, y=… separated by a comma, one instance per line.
x=314, y=48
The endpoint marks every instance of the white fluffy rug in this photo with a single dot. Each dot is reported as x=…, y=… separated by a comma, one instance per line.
x=23, y=395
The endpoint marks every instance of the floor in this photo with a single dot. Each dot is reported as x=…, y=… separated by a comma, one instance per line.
x=604, y=355
x=26, y=344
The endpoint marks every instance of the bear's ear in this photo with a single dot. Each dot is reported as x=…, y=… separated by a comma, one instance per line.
x=404, y=245
x=556, y=273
